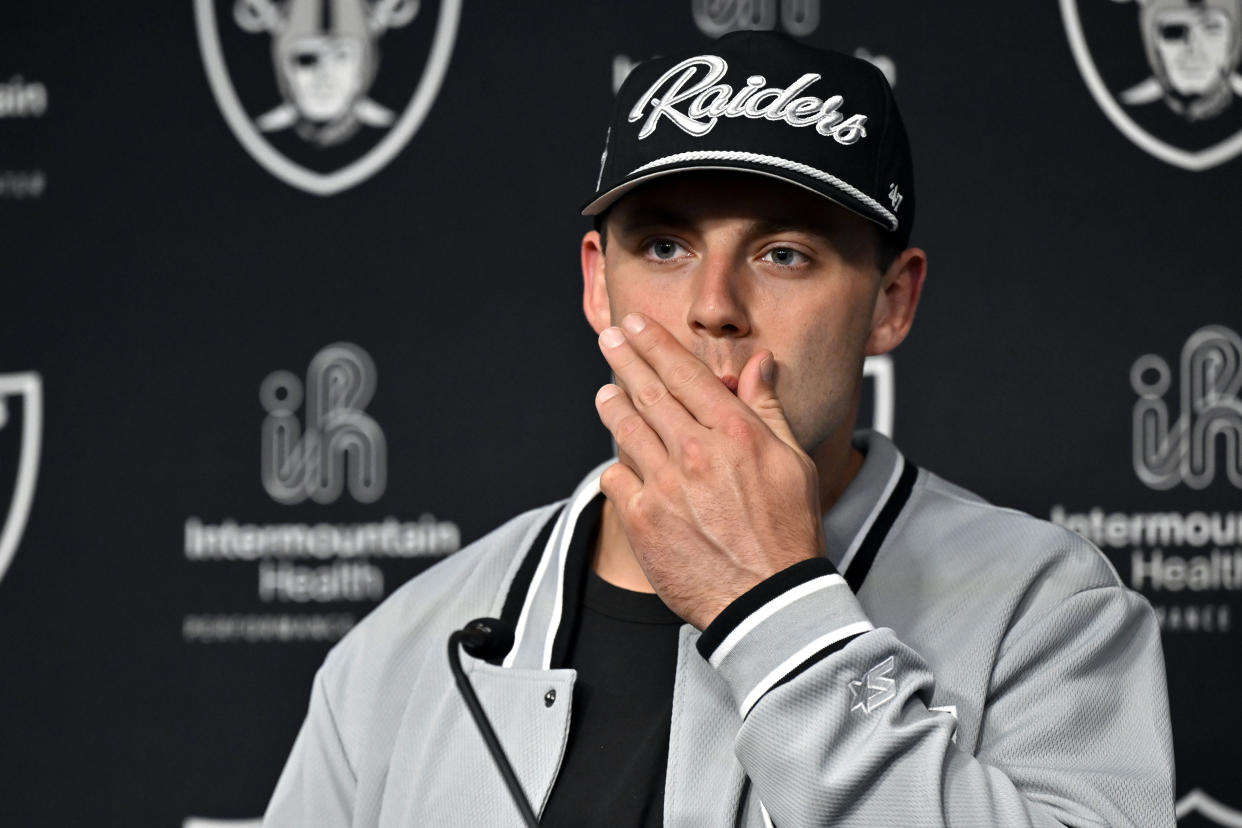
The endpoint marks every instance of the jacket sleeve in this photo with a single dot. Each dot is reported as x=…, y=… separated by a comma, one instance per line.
x=318, y=783
x=837, y=727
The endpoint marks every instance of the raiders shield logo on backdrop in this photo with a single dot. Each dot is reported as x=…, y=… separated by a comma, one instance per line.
x=324, y=93
x=21, y=431
x=1165, y=72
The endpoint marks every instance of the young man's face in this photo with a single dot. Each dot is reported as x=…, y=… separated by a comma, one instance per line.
x=731, y=263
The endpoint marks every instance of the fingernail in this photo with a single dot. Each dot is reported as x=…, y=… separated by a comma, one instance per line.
x=607, y=393
x=765, y=369
x=634, y=323
x=611, y=337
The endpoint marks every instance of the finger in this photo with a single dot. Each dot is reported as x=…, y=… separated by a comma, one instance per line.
x=696, y=386
x=634, y=436
x=648, y=394
x=757, y=388
x=620, y=484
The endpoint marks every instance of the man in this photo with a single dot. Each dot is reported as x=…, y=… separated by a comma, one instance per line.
x=863, y=643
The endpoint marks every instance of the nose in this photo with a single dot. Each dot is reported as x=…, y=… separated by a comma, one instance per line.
x=718, y=305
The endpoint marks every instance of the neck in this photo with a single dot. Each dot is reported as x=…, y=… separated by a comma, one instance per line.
x=837, y=463
x=836, y=460
x=614, y=561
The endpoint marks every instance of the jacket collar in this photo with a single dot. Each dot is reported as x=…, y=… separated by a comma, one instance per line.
x=544, y=595
x=857, y=524
x=543, y=604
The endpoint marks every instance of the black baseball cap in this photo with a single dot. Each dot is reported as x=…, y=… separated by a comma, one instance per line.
x=763, y=103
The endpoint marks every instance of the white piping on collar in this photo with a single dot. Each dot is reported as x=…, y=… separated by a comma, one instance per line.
x=524, y=617
x=589, y=492
x=861, y=534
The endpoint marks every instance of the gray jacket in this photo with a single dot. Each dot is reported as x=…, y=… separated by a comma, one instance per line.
x=969, y=666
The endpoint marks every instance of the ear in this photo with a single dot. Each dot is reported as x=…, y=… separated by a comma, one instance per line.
x=595, y=302
x=898, y=298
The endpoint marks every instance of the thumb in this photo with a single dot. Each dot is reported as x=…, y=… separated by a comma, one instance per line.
x=757, y=388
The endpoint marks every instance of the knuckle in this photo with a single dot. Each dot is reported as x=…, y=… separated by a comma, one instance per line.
x=667, y=479
x=692, y=452
x=628, y=426
x=684, y=374
x=698, y=459
x=612, y=482
x=639, y=512
x=648, y=340
x=622, y=358
x=650, y=394
x=739, y=428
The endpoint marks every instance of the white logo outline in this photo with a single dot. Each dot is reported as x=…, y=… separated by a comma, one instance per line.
x=1209, y=807
x=1194, y=161
x=882, y=689
x=895, y=196
x=29, y=387
x=359, y=170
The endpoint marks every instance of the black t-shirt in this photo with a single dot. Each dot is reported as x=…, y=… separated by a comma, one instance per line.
x=625, y=652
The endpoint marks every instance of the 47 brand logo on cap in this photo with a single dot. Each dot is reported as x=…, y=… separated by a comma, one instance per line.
x=1165, y=72
x=303, y=87
x=707, y=100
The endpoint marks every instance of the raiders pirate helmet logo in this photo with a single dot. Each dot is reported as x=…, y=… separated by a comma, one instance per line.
x=324, y=93
x=1165, y=72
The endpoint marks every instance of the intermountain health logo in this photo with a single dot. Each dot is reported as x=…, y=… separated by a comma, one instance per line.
x=21, y=410
x=1183, y=449
x=339, y=441
x=1177, y=539
x=325, y=93
x=1165, y=72
x=309, y=577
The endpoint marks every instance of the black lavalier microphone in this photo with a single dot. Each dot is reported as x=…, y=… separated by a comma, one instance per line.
x=489, y=639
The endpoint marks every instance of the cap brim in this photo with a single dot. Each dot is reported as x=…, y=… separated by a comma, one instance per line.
x=872, y=212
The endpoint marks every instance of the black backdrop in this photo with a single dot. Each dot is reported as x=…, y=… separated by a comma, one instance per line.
x=155, y=666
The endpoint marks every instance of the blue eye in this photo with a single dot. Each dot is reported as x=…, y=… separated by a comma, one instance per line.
x=785, y=256
x=665, y=249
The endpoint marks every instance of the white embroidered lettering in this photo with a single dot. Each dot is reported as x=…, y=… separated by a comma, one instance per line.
x=803, y=112
x=777, y=111
x=753, y=84
x=850, y=130
x=829, y=116
x=761, y=102
x=894, y=196
x=676, y=94
x=709, y=101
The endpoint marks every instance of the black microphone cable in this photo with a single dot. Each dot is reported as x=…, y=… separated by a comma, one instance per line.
x=488, y=638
